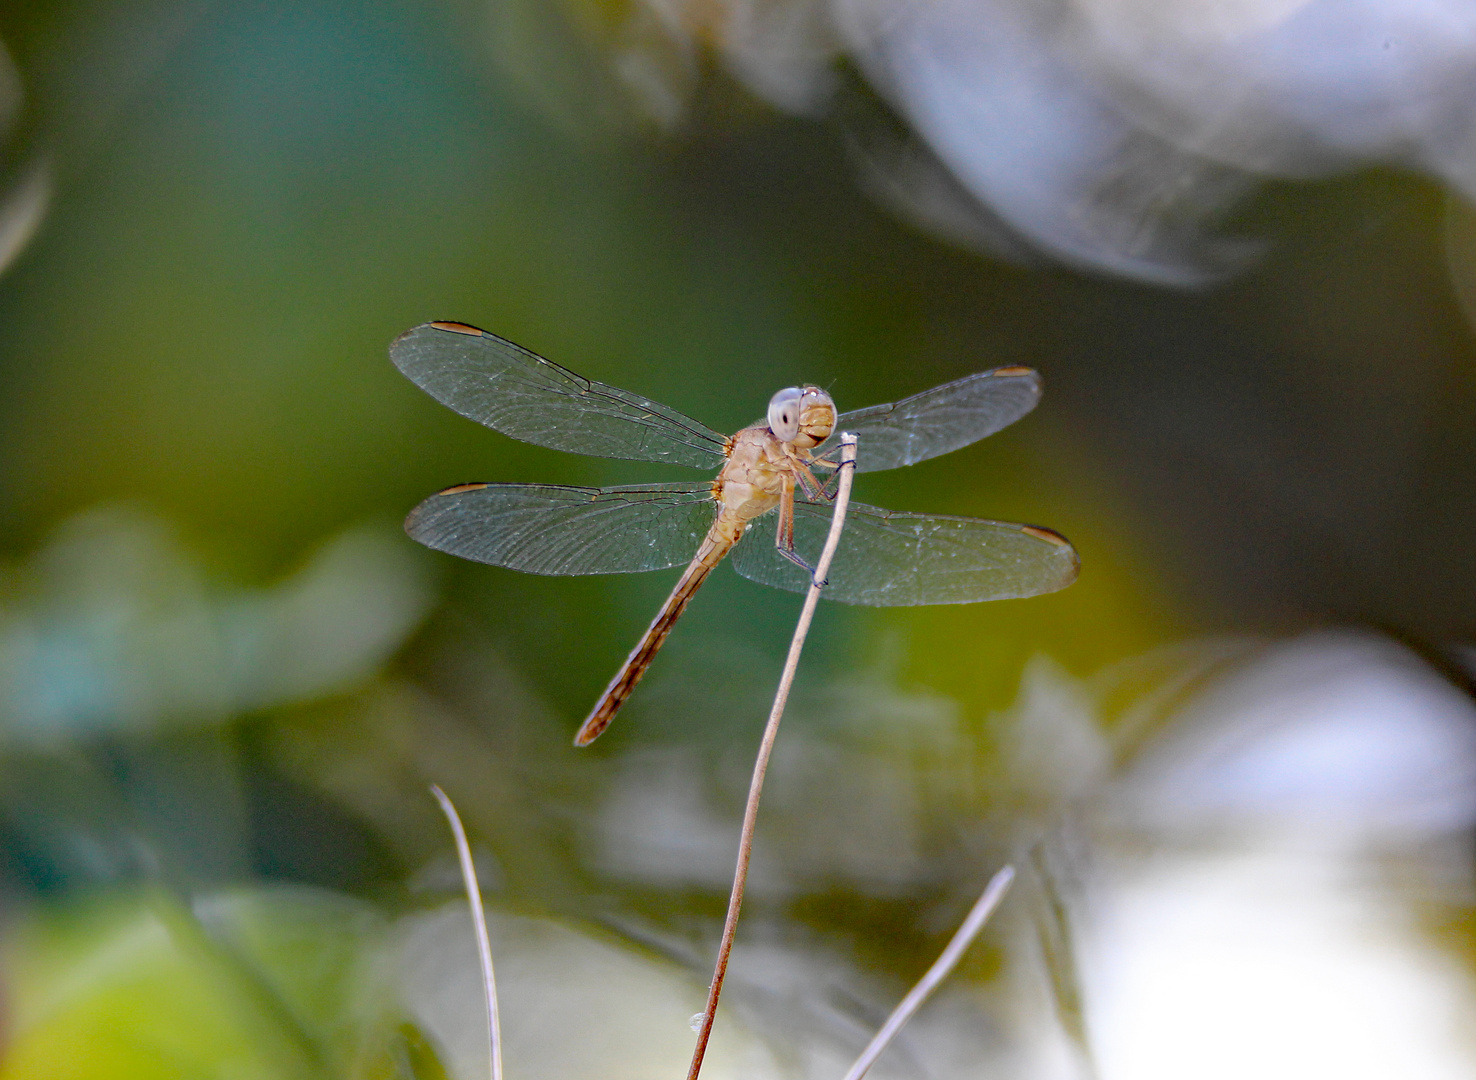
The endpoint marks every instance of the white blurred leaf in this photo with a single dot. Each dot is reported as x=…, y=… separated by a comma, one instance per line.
x=573, y=1005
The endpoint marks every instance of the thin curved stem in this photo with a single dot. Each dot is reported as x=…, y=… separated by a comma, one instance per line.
x=847, y=470
x=479, y=922
x=962, y=939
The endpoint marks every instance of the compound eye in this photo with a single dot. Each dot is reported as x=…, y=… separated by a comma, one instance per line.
x=820, y=408
x=784, y=414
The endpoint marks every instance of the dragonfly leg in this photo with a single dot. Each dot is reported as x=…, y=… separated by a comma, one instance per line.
x=798, y=560
x=784, y=536
x=828, y=466
x=828, y=489
x=813, y=488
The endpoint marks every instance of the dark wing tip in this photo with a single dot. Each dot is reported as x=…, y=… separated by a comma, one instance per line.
x=1040, y=532
x=1052, y=537
x=1021, y=376
x=449, y=327
x=415, y=520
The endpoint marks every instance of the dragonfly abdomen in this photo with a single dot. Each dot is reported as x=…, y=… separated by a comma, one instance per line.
x=718, y=542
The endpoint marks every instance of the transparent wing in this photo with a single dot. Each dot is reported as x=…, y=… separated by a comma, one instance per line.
x=494, y=382
x=940, y=420
x=551, y=529
x=888, y=558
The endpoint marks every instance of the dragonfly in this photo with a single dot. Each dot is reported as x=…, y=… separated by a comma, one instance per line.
x=886, y=558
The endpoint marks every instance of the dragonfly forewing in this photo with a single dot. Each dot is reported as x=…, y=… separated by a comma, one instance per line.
x=553, y=529
x=494, y=382
x=889, y=558
x=940, y=420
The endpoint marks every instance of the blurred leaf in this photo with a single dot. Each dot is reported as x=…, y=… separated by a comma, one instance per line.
x=112, y=628
x=275, y=984
x=329, y=625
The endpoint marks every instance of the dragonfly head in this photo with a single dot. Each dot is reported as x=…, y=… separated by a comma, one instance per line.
x=803, y=415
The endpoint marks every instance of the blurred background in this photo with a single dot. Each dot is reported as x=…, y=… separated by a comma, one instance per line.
x=1236, y=761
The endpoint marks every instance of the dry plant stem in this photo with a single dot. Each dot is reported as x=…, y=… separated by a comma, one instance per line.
x=479, y=921
x=978, y=916
x=766, y=746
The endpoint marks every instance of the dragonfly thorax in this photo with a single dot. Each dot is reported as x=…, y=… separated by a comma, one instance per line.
x=803, y=415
